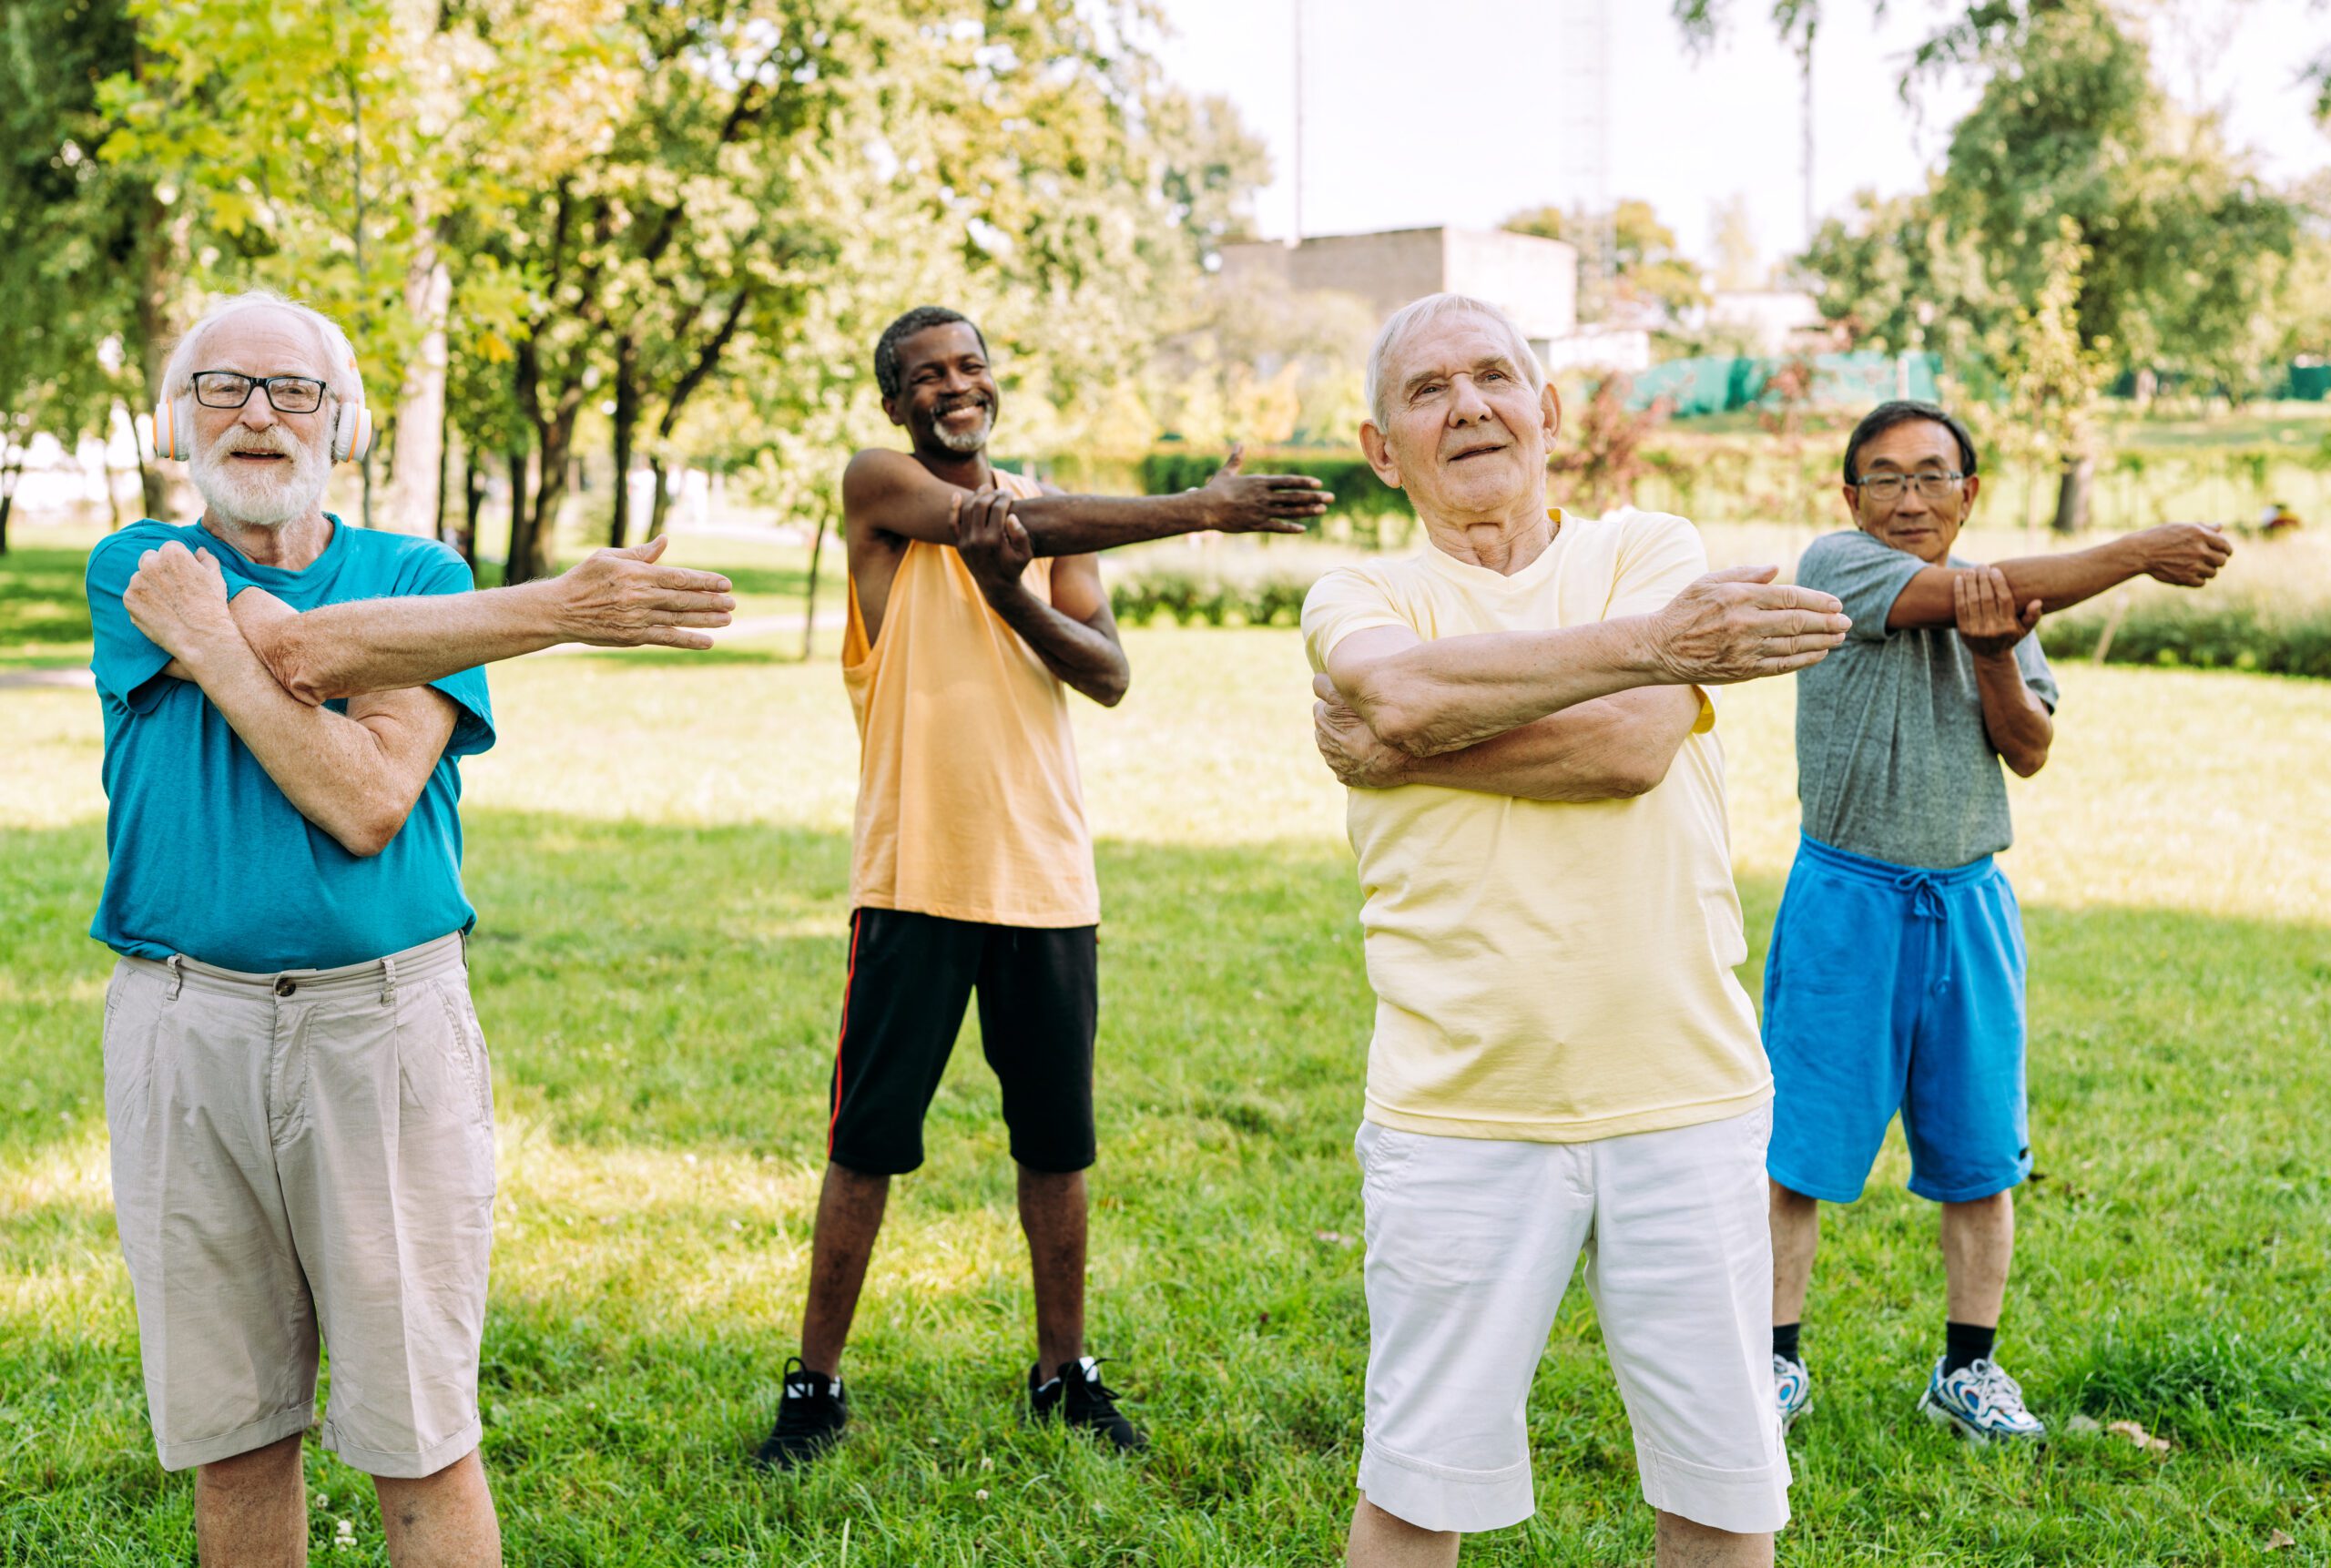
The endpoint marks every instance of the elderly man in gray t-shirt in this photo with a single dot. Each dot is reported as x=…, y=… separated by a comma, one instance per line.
x=1895, y=979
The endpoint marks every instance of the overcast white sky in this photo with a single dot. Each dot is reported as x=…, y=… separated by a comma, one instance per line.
x=1432, y=111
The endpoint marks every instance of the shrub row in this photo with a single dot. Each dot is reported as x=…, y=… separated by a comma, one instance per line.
x=2197, y=632
x=2200, y=633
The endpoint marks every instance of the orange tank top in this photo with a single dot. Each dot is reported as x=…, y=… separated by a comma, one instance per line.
x=969, y=804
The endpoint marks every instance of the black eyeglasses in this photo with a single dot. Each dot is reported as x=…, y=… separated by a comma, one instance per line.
x=231, y=389
x=1889, y=486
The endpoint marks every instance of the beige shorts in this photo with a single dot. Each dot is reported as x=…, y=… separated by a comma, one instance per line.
x=304, y=1155
x=1470, y=1243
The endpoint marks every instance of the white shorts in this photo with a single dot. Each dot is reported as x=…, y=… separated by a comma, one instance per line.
x=1470, y=1243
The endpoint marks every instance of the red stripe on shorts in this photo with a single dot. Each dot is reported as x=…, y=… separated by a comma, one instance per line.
x=849, y=979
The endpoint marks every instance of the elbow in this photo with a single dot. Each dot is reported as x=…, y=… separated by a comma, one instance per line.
x=1637, y=776
x=368, y=832
x=1110, y=690
x=2029, y=763
x=1398, y=720
x=296, y=669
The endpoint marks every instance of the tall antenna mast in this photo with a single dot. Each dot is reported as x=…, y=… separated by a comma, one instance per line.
x=1299, y=122
x=1582, y=82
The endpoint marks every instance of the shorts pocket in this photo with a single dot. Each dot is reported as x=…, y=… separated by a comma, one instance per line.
x=133, y=1025
x=464, y=1050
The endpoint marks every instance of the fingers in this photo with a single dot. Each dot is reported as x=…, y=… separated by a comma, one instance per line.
x=1744, y=574
x=675, y=638
x=646, y=552
x=1323, y=686
x=681, y=580
x=1235, y=461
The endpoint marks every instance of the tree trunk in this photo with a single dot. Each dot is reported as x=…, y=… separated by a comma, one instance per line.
x=473, y=503
x=662, y=504
x=810, y=596
x=8, y=498
x=2075, y=481
x=158, y=248
x=520, y=514
x=414, y=495
x=555, y=465
x=627, y=423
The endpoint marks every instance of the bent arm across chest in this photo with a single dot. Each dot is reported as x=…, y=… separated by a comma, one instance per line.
x=1608, y=748
x=355, y=774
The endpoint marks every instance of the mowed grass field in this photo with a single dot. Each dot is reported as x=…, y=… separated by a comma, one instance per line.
x=659, y=852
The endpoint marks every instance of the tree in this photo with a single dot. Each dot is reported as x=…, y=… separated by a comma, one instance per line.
x=1647, y=268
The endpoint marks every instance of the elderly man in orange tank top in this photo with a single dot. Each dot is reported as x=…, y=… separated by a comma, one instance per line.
x=974, y=597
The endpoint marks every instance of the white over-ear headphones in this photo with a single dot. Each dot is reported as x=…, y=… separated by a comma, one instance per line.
x=351, y=426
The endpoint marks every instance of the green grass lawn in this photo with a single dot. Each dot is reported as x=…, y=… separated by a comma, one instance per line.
x=659, y=852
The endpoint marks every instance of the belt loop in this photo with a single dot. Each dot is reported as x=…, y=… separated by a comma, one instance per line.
x=177, y=977
x=466, y=950
x=388, y=980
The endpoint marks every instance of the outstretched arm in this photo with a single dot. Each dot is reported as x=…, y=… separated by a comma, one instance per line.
x=356, y=775
x=891, y=492
x=1075, y=635
x=616, y=599
x=1608, y=748
x=2185, y=554
x=1428, y=698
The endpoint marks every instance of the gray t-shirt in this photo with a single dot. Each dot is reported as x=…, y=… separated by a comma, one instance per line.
x=1892, y=760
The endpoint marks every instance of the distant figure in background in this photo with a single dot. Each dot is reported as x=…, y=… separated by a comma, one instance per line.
x=296, y=1084
x=1895, y=975
x=974, y=599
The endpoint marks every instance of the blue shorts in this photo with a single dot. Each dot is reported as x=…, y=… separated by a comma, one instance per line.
x=1896, y=988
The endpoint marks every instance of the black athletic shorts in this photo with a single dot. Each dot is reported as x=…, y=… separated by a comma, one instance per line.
x=903, y=1006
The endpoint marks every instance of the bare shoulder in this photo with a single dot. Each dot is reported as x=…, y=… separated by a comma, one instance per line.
x=875, y=472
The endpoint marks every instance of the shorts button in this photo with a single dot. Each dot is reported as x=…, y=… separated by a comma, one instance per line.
x=285, y=987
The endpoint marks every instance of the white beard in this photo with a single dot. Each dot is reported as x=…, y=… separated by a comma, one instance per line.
x=966, y=442
x=266, y=499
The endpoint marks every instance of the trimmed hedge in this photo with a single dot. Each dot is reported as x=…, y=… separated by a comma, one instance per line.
x=2200, y=633
x=1364, y=503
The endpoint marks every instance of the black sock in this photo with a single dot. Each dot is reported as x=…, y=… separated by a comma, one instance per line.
x=1784, y=1340
x=1963, y=1343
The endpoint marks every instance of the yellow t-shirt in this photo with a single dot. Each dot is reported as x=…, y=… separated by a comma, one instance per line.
x=969, y=804
x=1548, y=972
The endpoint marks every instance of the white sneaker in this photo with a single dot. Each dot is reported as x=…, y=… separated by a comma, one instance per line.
x=1793, y=1388
x=1980, y=1401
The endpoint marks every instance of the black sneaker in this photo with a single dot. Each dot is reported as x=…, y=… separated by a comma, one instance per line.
x=810, y=1414
x=1079, y=1396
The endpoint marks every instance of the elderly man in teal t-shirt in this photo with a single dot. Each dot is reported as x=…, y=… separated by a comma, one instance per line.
x=295, y=1079
x=1895, y=978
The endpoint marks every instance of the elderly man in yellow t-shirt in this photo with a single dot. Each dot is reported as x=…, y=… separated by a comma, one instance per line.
x=1562, y=1060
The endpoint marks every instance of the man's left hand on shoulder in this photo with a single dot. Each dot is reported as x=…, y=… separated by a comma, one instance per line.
x=177, y=597
x=1987, y=620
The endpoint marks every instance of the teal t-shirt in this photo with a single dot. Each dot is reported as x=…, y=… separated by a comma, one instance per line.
x=206, y=856
x=1892, y=759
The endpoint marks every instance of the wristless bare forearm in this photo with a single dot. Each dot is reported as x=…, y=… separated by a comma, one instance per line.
x=2016, y=722
x=384, y=644
x=323, y=761
x=1072, y=651
x=2060, y=581
x=1605, y=750
x=1453, y=692
x=1079, y=524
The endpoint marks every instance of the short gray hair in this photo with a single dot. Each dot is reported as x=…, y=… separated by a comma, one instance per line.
x=338, y=370
x=1411, y=317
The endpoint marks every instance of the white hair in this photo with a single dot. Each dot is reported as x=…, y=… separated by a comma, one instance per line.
x=1411, y=317
x=337, y=369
